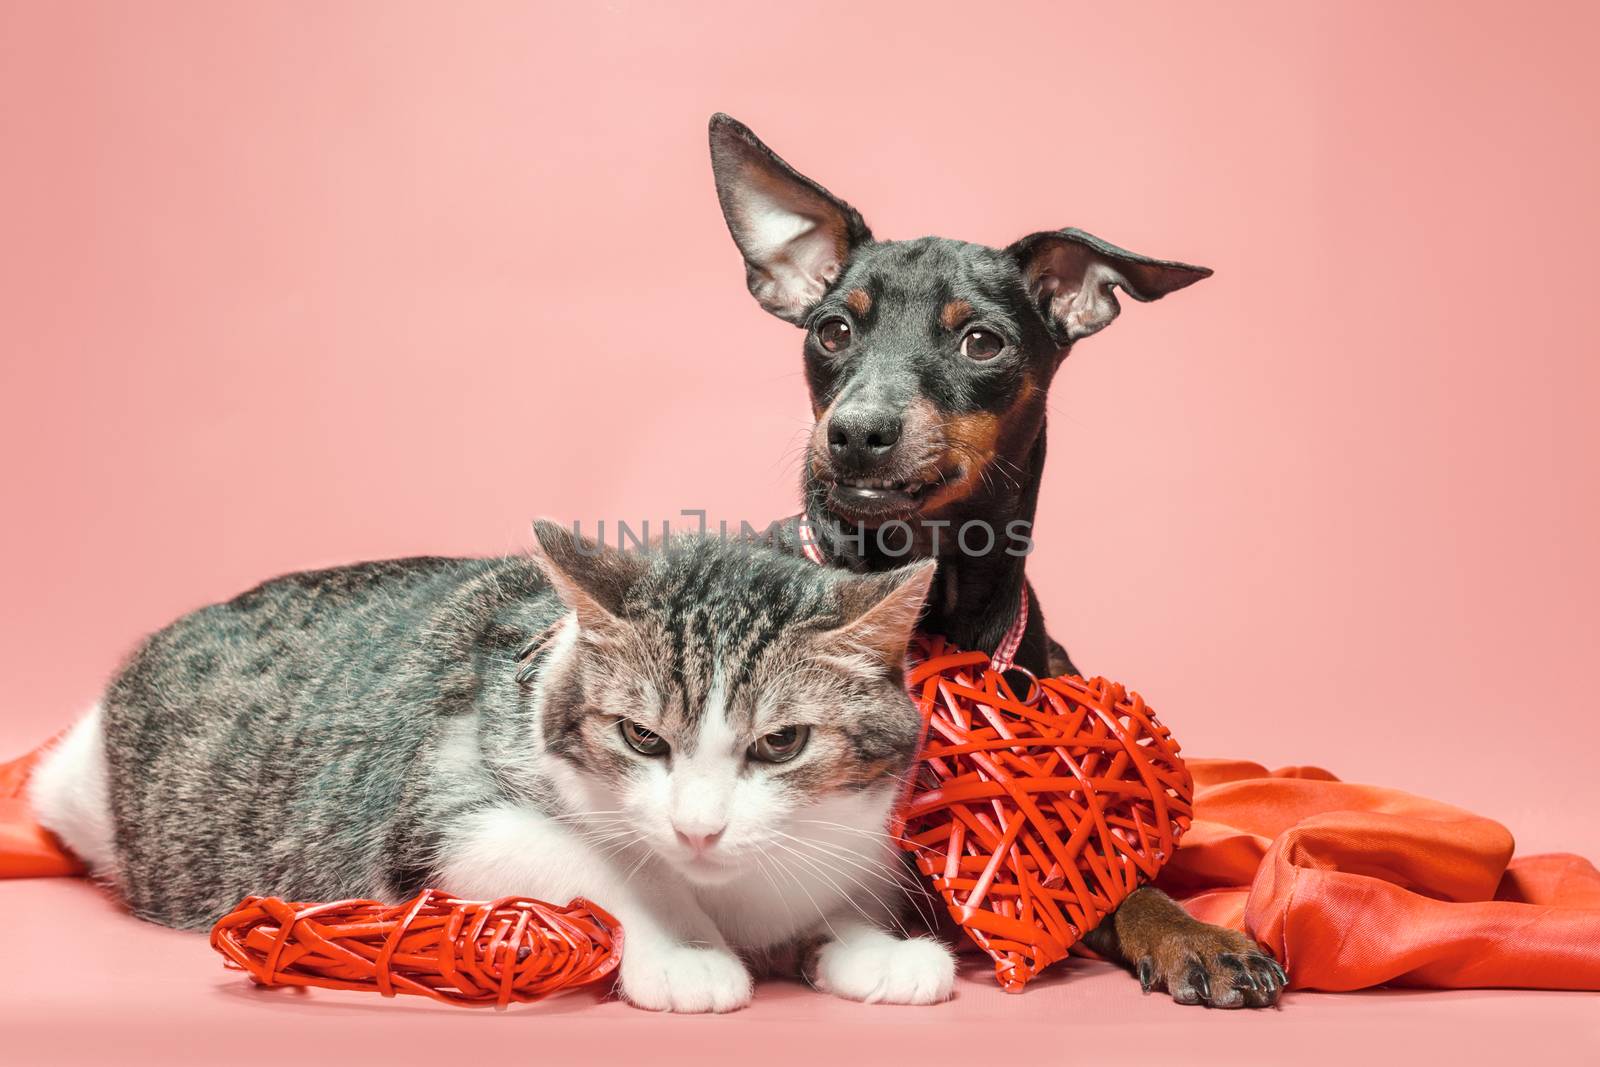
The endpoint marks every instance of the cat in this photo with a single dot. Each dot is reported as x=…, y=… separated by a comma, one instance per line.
x=707, y=740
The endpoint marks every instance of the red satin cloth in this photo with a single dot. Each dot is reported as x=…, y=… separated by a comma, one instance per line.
x=1349, y=885
x=1358, y=885
x=27, y=850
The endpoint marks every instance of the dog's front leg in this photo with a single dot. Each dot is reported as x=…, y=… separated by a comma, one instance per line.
x=1194, y=962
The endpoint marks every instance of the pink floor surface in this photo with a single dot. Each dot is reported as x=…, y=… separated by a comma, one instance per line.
x=81, y=982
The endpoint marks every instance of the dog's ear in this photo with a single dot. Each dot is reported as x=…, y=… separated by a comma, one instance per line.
x=1072, y=275
x=795, y=236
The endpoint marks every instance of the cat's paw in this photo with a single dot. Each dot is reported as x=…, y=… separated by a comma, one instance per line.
x=683, y=978
x=887, y=970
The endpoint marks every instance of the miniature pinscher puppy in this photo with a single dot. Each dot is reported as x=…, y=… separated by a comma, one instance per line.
x=929, y=362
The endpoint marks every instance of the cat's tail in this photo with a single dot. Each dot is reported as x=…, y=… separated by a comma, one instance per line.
x=27, y=849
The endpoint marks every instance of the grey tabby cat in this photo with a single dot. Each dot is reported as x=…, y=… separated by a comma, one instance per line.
x=708, y=744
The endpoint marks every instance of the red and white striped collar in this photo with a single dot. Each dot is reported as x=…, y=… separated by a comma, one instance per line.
x=1005, y=655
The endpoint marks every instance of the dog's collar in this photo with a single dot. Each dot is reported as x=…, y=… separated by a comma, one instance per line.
x=1005, y=655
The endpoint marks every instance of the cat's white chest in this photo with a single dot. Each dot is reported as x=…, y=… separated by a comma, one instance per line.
x=790, y=895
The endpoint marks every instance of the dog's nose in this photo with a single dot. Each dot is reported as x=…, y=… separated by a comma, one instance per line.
x=859, y=437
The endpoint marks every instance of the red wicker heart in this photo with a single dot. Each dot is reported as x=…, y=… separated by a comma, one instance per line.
x=458, y=951
x=1034, y=817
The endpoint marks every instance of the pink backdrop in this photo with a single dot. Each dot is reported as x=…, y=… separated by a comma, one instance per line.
x=286, y=285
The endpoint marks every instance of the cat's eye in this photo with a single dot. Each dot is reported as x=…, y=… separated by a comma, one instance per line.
x=834, y=335
x=982, y=344
x=780, y=746
x=645, y=742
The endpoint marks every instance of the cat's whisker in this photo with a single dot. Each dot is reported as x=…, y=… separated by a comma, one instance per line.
x=602, y=828
x=777, y=891
x=613, y=836
x=621, y=837
x=889, y=913
x=849, y=855
x=612, y=851
x=827, y=870
x=573, y=816
x=801, y=885
x=882, y=835
x=638, y=865
x=904, y=892
x=794, y=923
x=598, y=825
x=823, y=869
x=893, y=876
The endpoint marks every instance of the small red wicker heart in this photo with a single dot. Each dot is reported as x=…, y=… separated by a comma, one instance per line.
x=458, y=951
x=1035, y=816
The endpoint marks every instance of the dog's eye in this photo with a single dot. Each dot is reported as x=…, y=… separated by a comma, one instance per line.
x=834, y=335
x=780, y=746
x=645, y=742
x=981, y=344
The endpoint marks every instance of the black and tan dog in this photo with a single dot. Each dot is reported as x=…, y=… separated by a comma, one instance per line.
x=928, y=363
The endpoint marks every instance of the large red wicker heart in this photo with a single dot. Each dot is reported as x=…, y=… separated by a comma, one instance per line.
x=1035, y=816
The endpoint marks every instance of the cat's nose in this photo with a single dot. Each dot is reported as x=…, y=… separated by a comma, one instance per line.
x=699, y=843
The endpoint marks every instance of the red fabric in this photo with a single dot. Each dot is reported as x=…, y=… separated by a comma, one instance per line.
x=1349, y=885
x=1357, y=885
x=27, y=850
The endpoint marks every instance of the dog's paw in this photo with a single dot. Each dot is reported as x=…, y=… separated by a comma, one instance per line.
x=683, y=978
x=1197, y=963
x=887, y=970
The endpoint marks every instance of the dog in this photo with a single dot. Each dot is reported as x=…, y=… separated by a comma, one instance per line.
x=928, y=363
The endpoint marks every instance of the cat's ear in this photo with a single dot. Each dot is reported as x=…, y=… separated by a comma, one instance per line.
x=795, y=236
x=591, y=579
x=1072, y=278
x=880, y=611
